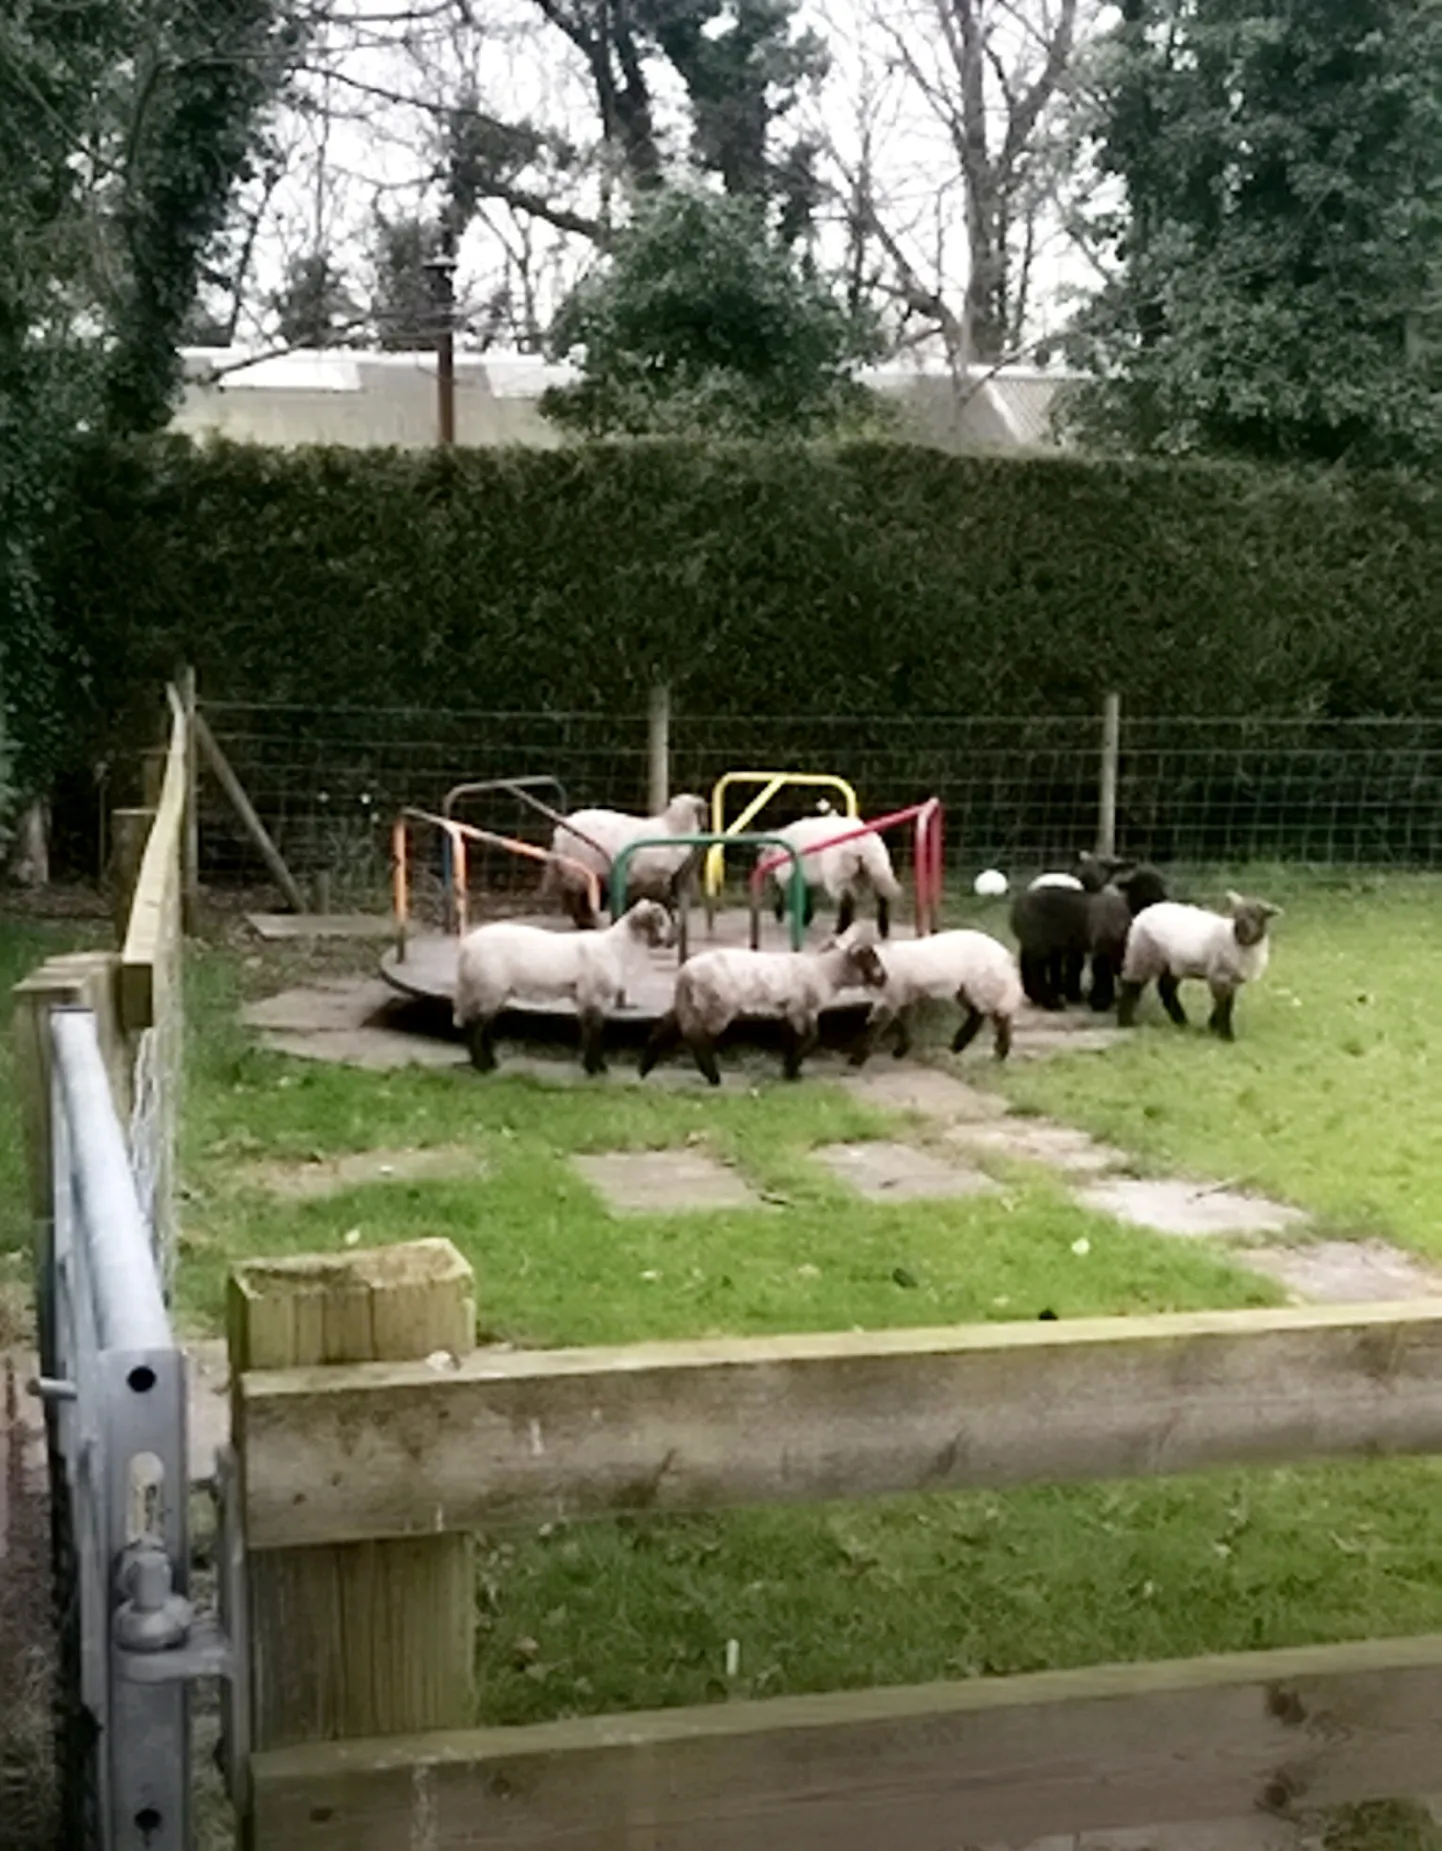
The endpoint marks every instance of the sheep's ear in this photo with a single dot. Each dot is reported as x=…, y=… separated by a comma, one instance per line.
x=1235, y=900
x=1268, y=911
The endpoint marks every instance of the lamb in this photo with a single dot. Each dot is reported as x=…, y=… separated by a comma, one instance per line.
x=1054, y=976
x=715, y=987
x=1059, y=928
x=594, y=838
x=845, y=871
x=1170, y=941
x=973, y=967
x=504, y=961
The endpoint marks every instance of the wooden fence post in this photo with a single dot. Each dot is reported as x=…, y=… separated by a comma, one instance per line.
x=190, y=839
x=659, y=749
x=1111, y=753
x=356, y=1639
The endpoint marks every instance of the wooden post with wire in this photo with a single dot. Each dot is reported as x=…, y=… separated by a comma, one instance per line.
x=659, y=748
x=1111, y=753
x=190, y=839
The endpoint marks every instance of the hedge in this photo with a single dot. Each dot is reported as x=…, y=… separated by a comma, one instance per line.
x=873, y=578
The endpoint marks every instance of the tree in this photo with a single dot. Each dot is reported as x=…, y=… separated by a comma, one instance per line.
x=403, y=306
x=123, y=126
x=313, y=306
x=1281, y=243
x=702, y=320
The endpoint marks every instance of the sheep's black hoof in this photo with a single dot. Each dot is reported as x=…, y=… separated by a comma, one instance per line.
x=481, y=1049
x=1002, y=1044
x=1220, y=1020
x=1127, y=1002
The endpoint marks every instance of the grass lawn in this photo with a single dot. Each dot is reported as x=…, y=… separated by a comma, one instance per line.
x=1323, y=1099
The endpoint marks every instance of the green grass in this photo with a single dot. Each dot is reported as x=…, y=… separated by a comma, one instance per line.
x=1330, y=1095
x=553, y=1266
x=639, y=1611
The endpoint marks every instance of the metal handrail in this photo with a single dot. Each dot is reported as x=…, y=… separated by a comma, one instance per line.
x=773, y=781
x=457, y=835
x=701, y=840
x=927, y=869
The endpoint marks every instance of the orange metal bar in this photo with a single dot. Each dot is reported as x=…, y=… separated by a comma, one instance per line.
x=459, y=834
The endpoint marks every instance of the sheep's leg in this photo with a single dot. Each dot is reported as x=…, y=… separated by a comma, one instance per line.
x=779, y=905
x=593, y=1029
x=845, y=913
x=1171, y=1002
x=1034, y=980
x=966, y=1034
x=1001, y=1030
x=662, y=1038
x=1127, y=1000
x=883, y=915
x=1072, y=965
x=901, y=1047
x=1103, y=981
x=578, y=905
x=482, y=1044
x=703, y=1051
x=801, y=1038
x=1220, y=1020
x=867, y=1041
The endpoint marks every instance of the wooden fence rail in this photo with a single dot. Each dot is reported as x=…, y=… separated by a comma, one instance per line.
x=365, y=1456
x=526, y=1436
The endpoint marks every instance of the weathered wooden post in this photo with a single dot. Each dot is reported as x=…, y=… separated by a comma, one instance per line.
x=129, y=832
x=369, y=1638
x=190, y=841
x=1111, y=753
x=659, y=755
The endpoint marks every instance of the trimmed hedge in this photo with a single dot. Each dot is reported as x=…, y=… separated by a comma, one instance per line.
x=866, y=578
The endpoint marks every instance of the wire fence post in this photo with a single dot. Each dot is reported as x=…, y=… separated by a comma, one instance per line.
x=659, y=725
x=1111, y=752
x=190, y=840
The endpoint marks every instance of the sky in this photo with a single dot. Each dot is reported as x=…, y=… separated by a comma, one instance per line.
x=350, y=148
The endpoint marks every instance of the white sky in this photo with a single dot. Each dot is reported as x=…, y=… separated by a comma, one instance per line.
x=358, y=150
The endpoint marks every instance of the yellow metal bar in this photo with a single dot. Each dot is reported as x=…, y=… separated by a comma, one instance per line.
x=773, y=781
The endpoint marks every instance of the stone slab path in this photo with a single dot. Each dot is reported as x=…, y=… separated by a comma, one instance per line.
x=884, y=1172
x=655, y=1182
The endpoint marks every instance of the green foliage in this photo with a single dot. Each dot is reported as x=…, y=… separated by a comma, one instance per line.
x=1281, y=249
x=403, y=302
x=313, y=306
x=759, y=580
x=701, y=320
x=123, y=124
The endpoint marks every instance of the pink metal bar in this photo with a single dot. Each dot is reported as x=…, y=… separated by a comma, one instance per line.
x=927, y=869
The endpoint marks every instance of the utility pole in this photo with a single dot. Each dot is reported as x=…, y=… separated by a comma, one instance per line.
x=442, y=270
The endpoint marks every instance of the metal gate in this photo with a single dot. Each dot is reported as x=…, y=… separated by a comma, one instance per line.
x=114, y=1385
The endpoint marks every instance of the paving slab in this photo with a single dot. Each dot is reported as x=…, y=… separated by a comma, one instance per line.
x=1037, y=1140
x=660, y=1182
x=904, y=1088
x=885, y=1172
x=1346, y=1272
x=1262, y=1834
x=1190, y=1209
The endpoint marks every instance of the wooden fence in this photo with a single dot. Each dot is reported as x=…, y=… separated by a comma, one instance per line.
x=135, y=991
x=372, y=1440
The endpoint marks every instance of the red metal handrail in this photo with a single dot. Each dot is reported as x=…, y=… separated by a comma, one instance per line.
x=927, y=872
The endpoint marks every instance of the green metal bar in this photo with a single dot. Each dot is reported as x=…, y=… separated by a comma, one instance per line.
x=708, y=840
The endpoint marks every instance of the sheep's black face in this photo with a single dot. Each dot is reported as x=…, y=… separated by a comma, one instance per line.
x=864, y=966
x=1250, y=918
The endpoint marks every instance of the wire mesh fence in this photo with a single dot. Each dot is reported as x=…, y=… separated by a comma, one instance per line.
x=1020, y=793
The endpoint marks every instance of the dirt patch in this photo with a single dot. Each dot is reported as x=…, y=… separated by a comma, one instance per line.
x=885, y=1172
x=317, y=1176
x=659, y=1182
x=1190, y=1209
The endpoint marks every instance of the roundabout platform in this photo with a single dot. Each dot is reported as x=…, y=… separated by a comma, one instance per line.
x=427, y=971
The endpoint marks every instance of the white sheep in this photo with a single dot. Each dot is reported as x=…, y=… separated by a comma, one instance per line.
x=715, y=987
x=845, y=871
x=972, y=967
x=506, y=961
x=1170, y=941
x=594, y=838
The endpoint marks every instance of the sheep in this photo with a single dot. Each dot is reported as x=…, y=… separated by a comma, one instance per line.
x=594, y=838
x=845, y=871
x=505, y=960
x=973, y=967
x=1060, y=975
x=1059, y=928
x=1170, y=941
x=715, y=987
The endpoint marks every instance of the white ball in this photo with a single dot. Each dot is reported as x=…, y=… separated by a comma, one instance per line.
x=990, y=883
